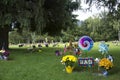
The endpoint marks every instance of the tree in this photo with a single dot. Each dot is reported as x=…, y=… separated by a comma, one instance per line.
x=39, y=16
x=9, y=14
x=110, y=4
x=116, y=21
x=15, y=38
x=60, y=16
x=99, y=28
x=116, y=26
x=112, y=21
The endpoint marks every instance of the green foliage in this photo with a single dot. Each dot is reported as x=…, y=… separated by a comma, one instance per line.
x=15, y=38
x=60, y=16
x=27, y=37
x=110, y=4
x=103, y=28
x=41, y=16
x=109, y=22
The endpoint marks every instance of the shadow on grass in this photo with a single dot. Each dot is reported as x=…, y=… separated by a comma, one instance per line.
x=26, y=51
x=114, y=70
x=18, y=50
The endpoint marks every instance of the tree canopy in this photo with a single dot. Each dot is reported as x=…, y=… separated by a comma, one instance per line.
x=39, y=15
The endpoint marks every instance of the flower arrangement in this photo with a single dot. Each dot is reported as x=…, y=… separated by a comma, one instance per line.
x=4, y=54
x=69, y=60
x=105, y=63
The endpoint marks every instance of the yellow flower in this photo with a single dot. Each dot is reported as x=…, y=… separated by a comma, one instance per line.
x=2, y=51
x=69, y=60
x=106, y=63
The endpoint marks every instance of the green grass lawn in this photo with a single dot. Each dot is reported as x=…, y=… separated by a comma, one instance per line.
x=45, y=65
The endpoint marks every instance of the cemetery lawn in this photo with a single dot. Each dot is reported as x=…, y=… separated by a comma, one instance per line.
x=45, y=65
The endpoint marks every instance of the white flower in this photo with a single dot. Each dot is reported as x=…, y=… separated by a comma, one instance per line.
x=97, y=60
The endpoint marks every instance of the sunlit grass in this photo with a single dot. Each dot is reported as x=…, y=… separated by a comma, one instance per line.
x=45, y=65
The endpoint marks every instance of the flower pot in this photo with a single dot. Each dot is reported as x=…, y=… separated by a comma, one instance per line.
x=69, y=69
x=105, y=73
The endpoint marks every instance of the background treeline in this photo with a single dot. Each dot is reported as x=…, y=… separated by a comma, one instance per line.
x=101, y=27
x=37, y=18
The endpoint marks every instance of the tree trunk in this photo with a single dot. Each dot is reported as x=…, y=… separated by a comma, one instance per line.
x=4, y=38
x=1, y=38
x=119, y=35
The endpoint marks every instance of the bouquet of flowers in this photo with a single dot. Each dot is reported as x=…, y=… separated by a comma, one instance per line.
x=69, y=61
x=105, y=63
x=4, y=54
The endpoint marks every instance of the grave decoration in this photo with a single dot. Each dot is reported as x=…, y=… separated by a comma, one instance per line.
x=85, y=43
x=103, y=48
x=106, y=62
x=69, y=62
x=86, y=62
x=58, y=52
x=4, y=54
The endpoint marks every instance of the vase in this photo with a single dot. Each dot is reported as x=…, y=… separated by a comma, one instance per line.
x=69, y=69
x=105, y=73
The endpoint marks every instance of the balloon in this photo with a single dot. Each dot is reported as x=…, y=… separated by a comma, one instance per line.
x=85, y=43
